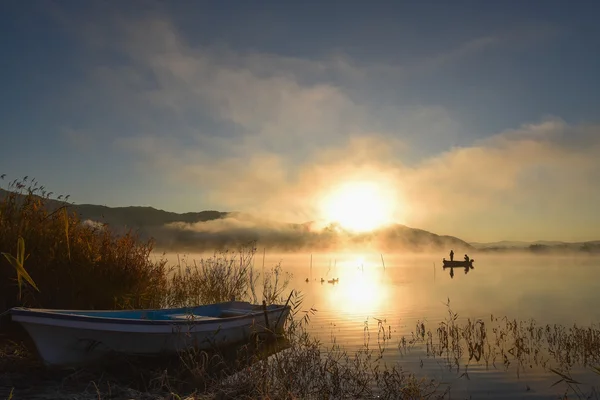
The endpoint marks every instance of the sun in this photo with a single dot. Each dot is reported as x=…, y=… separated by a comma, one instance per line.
x=360, y=205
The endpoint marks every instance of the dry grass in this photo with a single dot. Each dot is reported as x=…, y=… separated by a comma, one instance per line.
x=224, y=276
x=508, y=342
x=74, y=265
x=299, y=367
x=512, y=345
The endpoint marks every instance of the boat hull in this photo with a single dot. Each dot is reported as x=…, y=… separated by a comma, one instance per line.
x=455, y=264
x=64, y=339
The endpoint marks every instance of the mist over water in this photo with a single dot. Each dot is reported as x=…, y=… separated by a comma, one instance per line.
x=401, y=290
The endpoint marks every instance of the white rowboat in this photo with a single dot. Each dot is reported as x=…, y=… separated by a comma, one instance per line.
x=74, y=337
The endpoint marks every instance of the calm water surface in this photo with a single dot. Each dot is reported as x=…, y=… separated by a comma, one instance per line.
x=550, y=290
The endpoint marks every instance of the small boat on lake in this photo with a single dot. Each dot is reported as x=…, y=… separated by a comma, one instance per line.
x=456, y=264
x=74, y=337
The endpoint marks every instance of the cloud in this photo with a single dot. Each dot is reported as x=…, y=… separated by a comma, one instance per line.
x=533, y=182
x=271, y=135
x=523, y=184
x=93, y=224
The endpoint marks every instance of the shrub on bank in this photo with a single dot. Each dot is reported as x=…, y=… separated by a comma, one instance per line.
x=74, y=264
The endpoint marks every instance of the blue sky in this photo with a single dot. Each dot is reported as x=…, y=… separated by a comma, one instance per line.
x=484, y=112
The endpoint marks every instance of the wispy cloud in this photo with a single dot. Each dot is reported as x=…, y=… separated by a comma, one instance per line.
x=272, y=134
x=526, y=183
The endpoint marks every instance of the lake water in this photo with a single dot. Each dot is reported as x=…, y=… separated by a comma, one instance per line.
x=561, y=290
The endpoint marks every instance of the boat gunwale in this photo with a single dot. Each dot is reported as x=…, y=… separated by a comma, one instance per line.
x=50, y=314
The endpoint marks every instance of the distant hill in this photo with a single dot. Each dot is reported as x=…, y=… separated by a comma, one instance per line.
x=215, y=229
x=195, y=231
x=513, y=244
x=539, y=246
x=142, y=217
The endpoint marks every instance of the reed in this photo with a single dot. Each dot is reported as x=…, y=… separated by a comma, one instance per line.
x=508, y=342
x=63, y=262
x=224, y=276
x=512, y=345
x=307, y=369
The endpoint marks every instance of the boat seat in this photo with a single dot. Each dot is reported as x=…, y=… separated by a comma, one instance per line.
x=190, y=317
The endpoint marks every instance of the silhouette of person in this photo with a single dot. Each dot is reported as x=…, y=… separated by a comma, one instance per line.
x=466, y=258
x=451, y=255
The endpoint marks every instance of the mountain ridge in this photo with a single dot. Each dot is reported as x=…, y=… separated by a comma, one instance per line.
x=211, y=229
x=219, y=229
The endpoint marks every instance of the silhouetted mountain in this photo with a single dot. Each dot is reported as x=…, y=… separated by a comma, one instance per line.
x=513, y=244
x=213, y=229
x=134, y=217
x=141, y=217
x=538, y=247
x=297, y=237
x=194, y=231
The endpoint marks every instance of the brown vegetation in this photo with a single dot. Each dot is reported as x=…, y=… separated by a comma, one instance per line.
x=74, y=265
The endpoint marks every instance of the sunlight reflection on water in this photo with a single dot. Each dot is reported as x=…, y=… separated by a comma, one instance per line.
x=361, y=293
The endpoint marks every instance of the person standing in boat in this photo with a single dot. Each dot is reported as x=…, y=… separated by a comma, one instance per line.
x=451, y=255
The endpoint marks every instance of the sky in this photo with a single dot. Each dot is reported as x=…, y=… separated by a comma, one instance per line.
x=479, y=119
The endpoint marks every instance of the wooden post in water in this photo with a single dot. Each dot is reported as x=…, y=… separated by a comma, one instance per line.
x=383, y=262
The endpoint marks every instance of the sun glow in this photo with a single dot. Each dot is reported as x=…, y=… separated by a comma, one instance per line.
x=360, y=205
